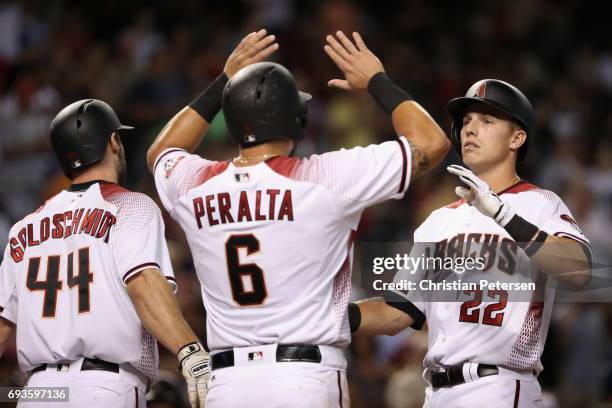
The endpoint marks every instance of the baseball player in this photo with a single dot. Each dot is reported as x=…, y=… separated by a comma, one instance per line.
x=87, y=278
x=270, y=234
x=485, y=350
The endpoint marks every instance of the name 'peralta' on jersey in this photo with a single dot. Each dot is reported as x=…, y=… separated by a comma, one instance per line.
x=64, y=273
x=272, y=242
x=490, y=331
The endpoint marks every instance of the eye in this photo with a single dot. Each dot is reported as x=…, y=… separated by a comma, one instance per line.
x=488, y=121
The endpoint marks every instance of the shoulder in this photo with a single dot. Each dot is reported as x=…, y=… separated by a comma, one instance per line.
x=129, y=202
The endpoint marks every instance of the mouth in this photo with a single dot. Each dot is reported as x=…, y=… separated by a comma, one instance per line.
x=469, y=146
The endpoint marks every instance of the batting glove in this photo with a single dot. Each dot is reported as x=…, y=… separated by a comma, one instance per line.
x=194, y=365
x=480, y=196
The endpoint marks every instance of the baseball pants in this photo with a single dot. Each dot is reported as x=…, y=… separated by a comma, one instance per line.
x=93, y=388
x=505, y=390
x=264, y=382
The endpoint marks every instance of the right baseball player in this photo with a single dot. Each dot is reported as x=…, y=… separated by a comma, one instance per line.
x=271, y=235
x=484, y=351
x=87, y=278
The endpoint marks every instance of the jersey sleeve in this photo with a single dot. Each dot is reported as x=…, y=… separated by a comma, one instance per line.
x=176, y=171
x=363, y=176
x=556, y=219
x=138, y=241
x=7, y=278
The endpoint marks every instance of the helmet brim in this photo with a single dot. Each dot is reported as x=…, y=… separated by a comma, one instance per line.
x=124, y=128
x=458, y=106
x=305, y=96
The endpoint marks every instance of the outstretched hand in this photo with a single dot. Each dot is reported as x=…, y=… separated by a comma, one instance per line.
x=255, y=47
x=354, y=59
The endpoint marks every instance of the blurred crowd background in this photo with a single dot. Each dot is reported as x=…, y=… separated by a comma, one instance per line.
x=149, y=59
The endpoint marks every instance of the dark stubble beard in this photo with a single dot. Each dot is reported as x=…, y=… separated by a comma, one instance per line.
x=121, y=169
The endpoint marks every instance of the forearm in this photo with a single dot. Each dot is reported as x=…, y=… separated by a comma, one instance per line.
x=377, y=318
x=158, y=310
x=6, y=330
x=564, y=259
x=429, y=144
x=184, y=131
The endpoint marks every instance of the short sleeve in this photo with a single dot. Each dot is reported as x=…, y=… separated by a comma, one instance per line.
x=176, y=171
x=556, y=219
x=7, y=278
x=363, y=176
x=138, y=241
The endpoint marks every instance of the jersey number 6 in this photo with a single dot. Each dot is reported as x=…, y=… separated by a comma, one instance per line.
x=52, y=282
x=237, y=271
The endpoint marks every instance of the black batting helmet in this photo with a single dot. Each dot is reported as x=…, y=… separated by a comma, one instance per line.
x=261, y=102
x=501, y=96
x=80, y=133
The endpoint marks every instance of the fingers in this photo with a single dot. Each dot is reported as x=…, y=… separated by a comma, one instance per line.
x=340, y=84
x=338, y=60
x=464, y=193
x=265, y=53
x=359, y=41
x=348, y=44
x=337, y=47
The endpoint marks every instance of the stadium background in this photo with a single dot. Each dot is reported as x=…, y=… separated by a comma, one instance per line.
x=148, y=59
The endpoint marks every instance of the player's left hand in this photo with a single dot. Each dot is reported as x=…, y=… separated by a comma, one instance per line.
x=255, y=47
x=480, y=195
x=194, y=365
x=355, y=60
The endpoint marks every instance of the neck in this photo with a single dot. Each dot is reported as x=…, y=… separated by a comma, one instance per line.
x=96, y=174
x=255, y=154
x=499, y=178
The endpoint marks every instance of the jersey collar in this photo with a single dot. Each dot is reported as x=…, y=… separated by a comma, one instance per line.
x=84, y=186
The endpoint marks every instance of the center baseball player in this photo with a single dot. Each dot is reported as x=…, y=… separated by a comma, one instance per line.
x=484, y=351
x=87, y=278
x=271, y=235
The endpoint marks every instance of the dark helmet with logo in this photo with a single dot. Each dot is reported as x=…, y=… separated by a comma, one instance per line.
x=261, y=102
x=499, y=95
x=80, y=133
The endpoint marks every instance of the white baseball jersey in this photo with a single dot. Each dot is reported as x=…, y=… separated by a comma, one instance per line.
x=484, y=327
x=66, y=268
x=272, y=242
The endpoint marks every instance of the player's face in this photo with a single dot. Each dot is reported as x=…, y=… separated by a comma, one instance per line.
x=488, y=138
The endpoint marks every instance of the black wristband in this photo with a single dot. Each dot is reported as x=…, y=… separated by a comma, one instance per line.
x=386, y=93
x=521, y=230
x=208, y=103
x=536, y=244
x=354, y=315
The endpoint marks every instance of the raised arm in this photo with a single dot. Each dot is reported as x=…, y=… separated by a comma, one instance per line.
x=187, y=128
x=364, y=71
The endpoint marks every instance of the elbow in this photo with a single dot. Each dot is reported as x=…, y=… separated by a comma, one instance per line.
x=152, y=154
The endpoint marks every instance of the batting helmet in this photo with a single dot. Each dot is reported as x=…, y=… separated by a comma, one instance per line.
x=501, y=96
x=80, y=133
x=261, y=102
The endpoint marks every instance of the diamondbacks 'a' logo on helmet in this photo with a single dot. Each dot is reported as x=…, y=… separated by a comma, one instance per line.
x=481, y=91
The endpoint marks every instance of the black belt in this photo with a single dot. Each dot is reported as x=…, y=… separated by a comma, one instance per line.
x=454, y=375
x=88, y=364
x=284, y=353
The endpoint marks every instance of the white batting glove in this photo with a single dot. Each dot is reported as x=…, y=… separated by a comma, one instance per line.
x=480, y=196
x=194, y=365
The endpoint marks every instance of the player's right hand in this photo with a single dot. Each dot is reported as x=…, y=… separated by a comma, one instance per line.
x=355, y=60
x=195, y=367
x=255, y=47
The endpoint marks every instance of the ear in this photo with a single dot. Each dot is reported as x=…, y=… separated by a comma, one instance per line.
x=115, y=143
x=517, y=139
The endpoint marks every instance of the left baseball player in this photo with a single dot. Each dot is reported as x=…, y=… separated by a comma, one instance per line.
x=87, y=278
